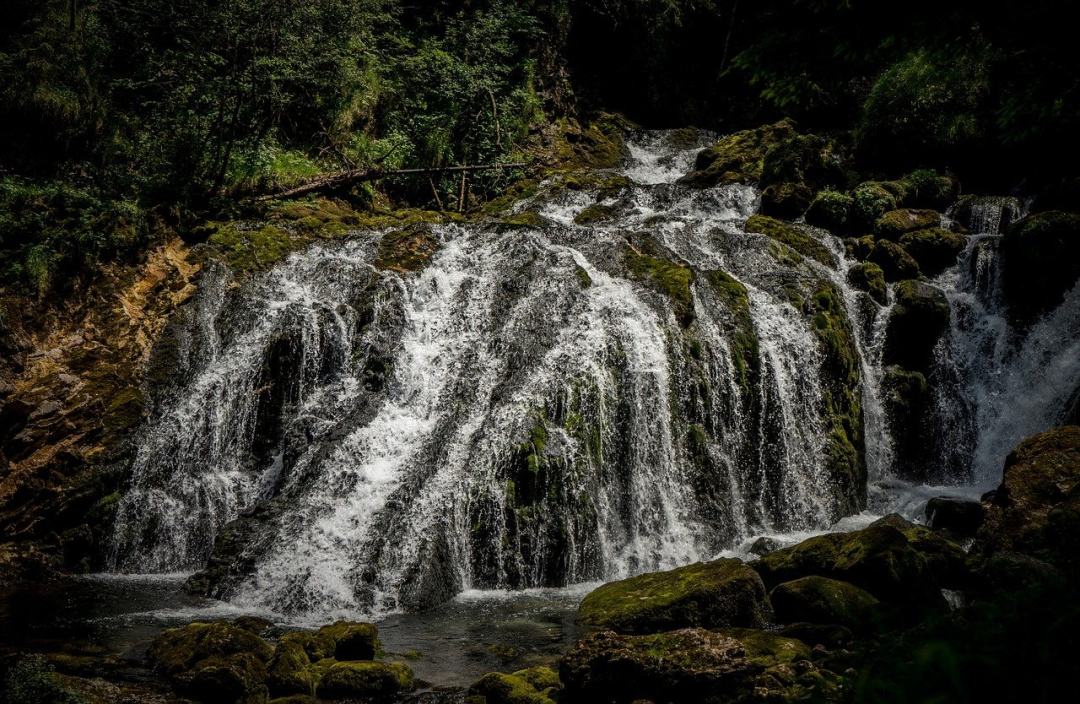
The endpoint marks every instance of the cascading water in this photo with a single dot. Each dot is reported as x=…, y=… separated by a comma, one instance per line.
x=537, y=406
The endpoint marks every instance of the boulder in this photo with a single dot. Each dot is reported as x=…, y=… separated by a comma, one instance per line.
x=232, y=679
x=821, y=600
x=906, y=401
x=830, y=210
x=793, y=236
x=830, y=635
x=869, y=201
x=737, y=158
x=894, y=260
x=288, y=671
x=1041, y=262
x=802, y=159
x=724, y=592
x=213, y=662
x=532, y=686
x=763, y=546
x=893, y=224
x=957, y=517
x=935, y=249
x=692, y=665
x=786, y=200
x=868, y=277
x=891, y=559
x=352, y=640
x=928, y=189
x=920, y=316
x=1036, y=510
x=365, y=680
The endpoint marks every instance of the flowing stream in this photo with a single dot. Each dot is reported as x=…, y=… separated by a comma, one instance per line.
x=548, y=406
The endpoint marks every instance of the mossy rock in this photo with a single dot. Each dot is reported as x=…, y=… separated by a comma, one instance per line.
x=595, y=213
x=821, y=600
x=353, y=640
x=793, y=236
x=252, y=248
x=532, y=686
x=742, y=337
x=365, y=680
x=934, y=249
x=709, y=594
x=317, y=644
x=405, y=250
x=601, y=144
x=1036, y=510
x=525, y=219
x=807, y=160
x=929, y=189
x=671, y=279
x=860, y=247
x=737, y=158
x=693, y=665
x=830, y=210
x=786, y=200
x=919, y=317
x=906, y=403
x=894, y=260
x=178, y=650
x=895, y=223
x=231, y=679
x=1041, y=262
x=869, y=201
x=125, y=410
x=889, y=559
x=868, y=277
x=288, y=671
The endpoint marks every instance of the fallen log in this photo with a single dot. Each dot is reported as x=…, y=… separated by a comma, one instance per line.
x=342, y=178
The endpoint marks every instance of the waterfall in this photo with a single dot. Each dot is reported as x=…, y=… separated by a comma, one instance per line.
x=541, y=405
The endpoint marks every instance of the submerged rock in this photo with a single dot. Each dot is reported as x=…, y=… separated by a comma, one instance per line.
x=821, y=600
x=724, y=592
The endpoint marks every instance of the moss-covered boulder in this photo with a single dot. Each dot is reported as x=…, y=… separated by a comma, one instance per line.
x=919, y=317
x=595, y=213
x=724, y=592
x=893, y=224
x=666, y=276
x=793, y=236
x=693, y=665
x=288, y=671
x=926, y=188
x=786, y=200
x=353, y=640
x=868, y=277
x=891, y=559
x=365, y=681
x=894, y=260
x=536, y=685
x=1036, y=510
x=869, y=201
x=802, y=159
x=1041, y=262
x=737, y=158
x=821, y=600
x=406, y=250
x=213, y=662
x=959, y=518
x=830, y=210
x=906, y=401
x=934, y=249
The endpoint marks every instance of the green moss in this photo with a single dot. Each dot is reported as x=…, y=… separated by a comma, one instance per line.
x=743, y=339
x=595, y=213
x=709, y=594
x=518, y=191
x=349, y=680
x=671, y=279
x=288, y=671
x=893, y=224
x=822, y=600
x=738, y=158
x=934, y=249
x=792, y=236
x=405, y=250
x=926, y=188
x=526, y=219
x=869, y=201
x=353, y=640
x=830, y=210
x=178, y=650
x=251, y=249
x=500, y=688
x=125, y=409
x=583, y=277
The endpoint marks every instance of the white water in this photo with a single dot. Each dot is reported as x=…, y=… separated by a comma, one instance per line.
x=401, y=467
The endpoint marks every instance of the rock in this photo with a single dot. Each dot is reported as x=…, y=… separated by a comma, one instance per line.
x=1011, y=573
x=830, y=210
x=764, y=545
x=895, y=262
x=859, y=247
x=920, y=315
x=869, y=201
x=406, y=250
x=724, y=592
x=365, y=680
x=178, y=650
x=929, y=189
x=786, y=200
x=352, y=640
x=891, y=559
x=907, y=406
x=793, y=236
x=595, y=213
x=252, y=624
x=737, y=158
x=1041, y=262
x=935, y=249
x=957, y=517
x=233, y=679
x=895, y=223
x=829, y=635
x=531, y=686
x=868, y=277
x=288, y=671
x=986, y=214
x=802, y=159
x=821, y=600
x=1036, y=510
x=692, y=665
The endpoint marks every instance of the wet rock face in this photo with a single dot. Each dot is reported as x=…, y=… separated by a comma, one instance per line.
x=738, y=158
x=919, y=317
x=1036, y=510
x=956, y=517
x=1041, y=258
x=725, y=592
